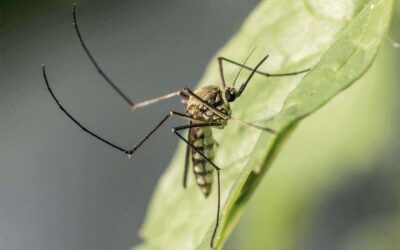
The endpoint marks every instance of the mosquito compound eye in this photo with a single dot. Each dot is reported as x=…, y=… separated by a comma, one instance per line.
x=230, y=96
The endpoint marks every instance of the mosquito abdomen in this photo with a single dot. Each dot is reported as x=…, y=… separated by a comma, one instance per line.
x=203, y=171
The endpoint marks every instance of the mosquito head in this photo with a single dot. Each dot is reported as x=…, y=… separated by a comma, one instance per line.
x=230, y=94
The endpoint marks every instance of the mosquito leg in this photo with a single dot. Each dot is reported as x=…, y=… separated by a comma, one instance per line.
x=191, y=125
x=172, y=113
x=186, y=117
x=75, y=121
x=133, y=105
x=187, y=158
x=221, y=72
x=253, y=125
x=175, y=131
x=263, y=73
x=197, y=125
x=221, y=59
x=126, y=151
x=101, y=72
x=214, y=110
x=218, y=209
x=142, y=104
x=243, y=86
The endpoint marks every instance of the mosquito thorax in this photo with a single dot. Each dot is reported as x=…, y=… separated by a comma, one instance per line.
x=214, y=97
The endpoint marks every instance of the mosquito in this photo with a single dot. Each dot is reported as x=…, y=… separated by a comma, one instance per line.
x=206, y=108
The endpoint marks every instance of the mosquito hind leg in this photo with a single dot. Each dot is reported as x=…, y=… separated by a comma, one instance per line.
x=175, y=131
x=126, y=151
x=129, y=101
x=142, y=104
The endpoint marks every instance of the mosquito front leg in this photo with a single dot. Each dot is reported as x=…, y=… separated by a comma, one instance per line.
x=211, y=108
x=243, y=86
x=261, y=72
x=221, y=72
x=220, y=61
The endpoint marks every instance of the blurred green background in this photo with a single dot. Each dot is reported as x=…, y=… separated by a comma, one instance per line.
x=335, y=185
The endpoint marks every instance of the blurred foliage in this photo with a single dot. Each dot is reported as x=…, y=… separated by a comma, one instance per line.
x=341, y=38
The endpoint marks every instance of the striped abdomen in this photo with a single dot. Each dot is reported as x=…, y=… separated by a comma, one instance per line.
x=202, y=139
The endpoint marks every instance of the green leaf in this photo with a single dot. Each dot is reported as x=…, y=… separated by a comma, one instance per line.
x=339, y=39
x=351, y=140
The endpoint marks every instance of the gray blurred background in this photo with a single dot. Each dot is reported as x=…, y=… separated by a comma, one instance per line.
x=60, y=188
